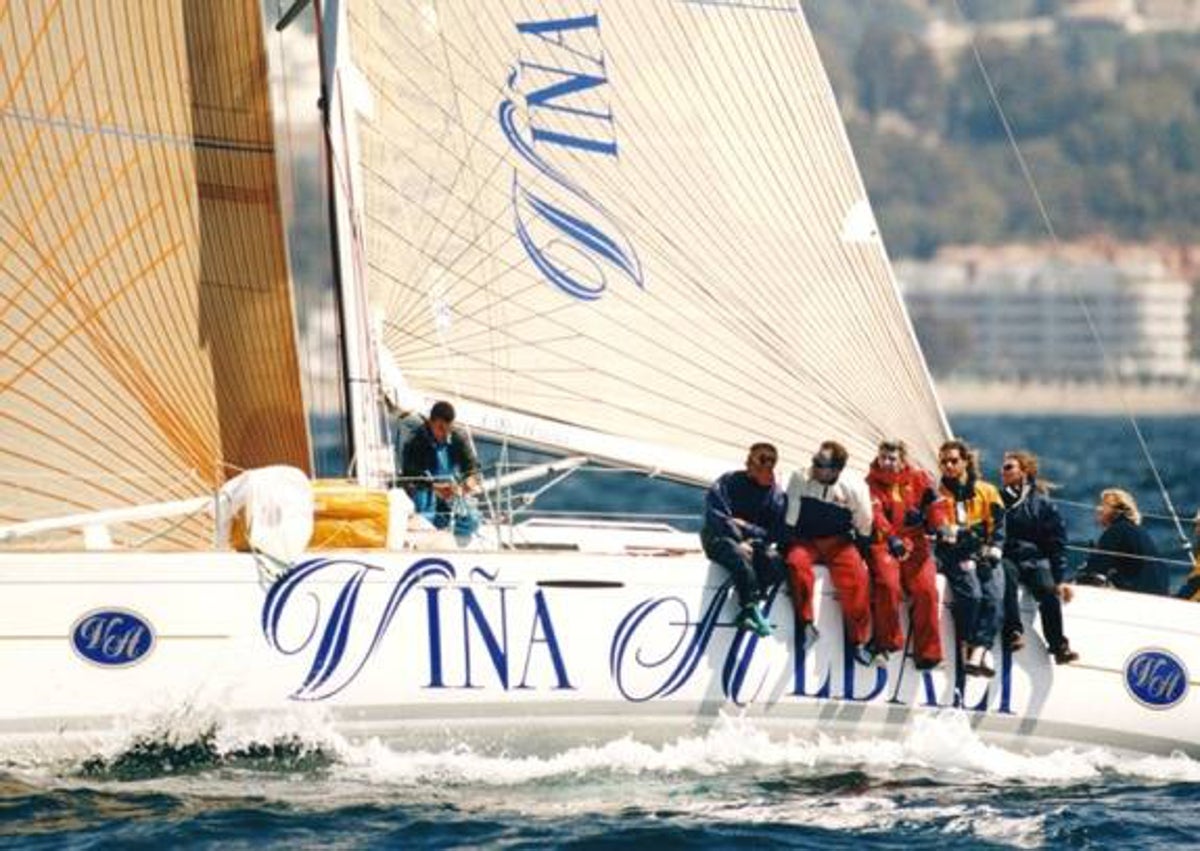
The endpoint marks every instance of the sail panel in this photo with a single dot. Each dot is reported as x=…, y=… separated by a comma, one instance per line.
x=641, y=217
x=147, y=342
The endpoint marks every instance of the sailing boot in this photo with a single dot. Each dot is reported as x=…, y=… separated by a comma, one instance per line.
x=1064, y=655
x=1014, y=641
x=972, y=657
x=986, y=667
x=751, y=618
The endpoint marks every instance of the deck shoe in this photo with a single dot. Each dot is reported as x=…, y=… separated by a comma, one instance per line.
x=971, y=663
x=810, y=634
x=751, y=618
x=880, y=658
x=927, y=664
x=986, y=668
x=861, y=654
x=1014, y=641
x=1065, y=655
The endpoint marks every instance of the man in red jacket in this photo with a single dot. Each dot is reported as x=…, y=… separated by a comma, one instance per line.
x=905, y=505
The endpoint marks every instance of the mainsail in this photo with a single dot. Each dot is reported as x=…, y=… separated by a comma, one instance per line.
x=641, y=217
x=147, y=342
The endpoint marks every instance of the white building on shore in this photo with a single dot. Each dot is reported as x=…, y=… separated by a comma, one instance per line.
x=1029, y=321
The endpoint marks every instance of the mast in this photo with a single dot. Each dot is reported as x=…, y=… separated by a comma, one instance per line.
x=341, y=97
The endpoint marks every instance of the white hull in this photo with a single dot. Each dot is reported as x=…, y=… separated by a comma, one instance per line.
x=525, y=644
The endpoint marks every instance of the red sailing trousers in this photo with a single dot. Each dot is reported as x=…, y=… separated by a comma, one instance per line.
x=849, y=576
x=917, y=576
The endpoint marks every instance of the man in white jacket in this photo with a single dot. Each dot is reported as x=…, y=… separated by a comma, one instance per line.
x=828, y=514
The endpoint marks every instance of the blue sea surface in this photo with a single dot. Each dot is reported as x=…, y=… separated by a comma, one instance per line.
x=216, y=785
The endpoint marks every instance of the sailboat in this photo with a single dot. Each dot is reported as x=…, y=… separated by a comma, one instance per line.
x=626, y=231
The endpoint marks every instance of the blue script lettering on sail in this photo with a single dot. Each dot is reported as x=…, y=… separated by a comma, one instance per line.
x=113, y=638
x=1156, y=678
x=572, y=239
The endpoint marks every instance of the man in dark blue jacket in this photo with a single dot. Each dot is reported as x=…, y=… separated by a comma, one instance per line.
x=1035, y=544
x=743, y=517
x=439, y=469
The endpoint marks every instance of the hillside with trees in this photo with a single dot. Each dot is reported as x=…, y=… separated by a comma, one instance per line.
x=1107, y=118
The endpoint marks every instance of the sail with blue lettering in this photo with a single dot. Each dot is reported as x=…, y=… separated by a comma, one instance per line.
x=639, y=217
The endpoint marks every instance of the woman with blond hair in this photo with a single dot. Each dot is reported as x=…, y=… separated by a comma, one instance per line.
x=1035, y=545
x=1125, y=555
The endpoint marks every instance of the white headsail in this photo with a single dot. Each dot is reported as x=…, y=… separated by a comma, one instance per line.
x=641, y=217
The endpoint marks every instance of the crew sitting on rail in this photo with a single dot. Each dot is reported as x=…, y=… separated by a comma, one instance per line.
x=1035, y=544
x=828, y=521
x=905, y=504
x=968, y=551
x=743, y=519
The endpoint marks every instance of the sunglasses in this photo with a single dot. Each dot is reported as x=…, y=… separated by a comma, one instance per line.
x=1011, y=465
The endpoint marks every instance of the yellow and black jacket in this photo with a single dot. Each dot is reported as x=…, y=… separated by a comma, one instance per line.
x=977, y=511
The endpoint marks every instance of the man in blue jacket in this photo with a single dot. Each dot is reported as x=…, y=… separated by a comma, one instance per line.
x=1035, y=551
x=743, y=517
x=439, y=469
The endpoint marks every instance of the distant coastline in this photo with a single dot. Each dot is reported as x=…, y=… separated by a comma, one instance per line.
x=999, y=397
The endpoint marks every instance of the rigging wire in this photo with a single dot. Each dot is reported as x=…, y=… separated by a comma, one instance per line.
x=1044, y=213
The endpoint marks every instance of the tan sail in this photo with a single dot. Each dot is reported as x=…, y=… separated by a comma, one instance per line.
x=147, y=342
x=637, y=216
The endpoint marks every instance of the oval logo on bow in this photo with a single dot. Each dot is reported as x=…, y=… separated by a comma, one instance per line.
x=113, y=638
x=1156, y=678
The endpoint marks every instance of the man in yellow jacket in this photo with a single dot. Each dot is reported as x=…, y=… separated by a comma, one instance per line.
x=968, y=552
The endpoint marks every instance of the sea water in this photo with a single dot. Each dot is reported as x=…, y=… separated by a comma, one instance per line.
x=215, y=782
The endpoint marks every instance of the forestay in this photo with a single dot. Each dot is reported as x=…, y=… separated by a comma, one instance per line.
x=638, y=216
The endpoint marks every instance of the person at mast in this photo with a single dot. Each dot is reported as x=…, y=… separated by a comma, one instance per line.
x=968, y=551
x=439, y=470
x=905, y=505
x=1190, y=590
x=828, y=520
x=1125, y=555
x=1035, y=544
x=743, y=519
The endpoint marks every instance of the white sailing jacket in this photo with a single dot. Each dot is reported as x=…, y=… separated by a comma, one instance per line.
x=816, y=510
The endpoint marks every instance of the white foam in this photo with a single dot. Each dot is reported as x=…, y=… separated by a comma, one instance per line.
x=943, y=746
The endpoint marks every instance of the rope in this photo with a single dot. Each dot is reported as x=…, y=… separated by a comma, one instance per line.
x=1137, y=557
x=1087, y=313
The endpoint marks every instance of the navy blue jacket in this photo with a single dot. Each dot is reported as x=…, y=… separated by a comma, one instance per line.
x=419, y=458
x=1033, y=530
x=1143, y=572
x=737, y=495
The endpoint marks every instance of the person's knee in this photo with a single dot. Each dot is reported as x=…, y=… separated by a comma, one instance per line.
x=923, y=595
